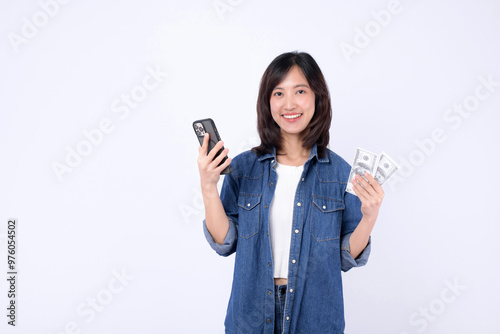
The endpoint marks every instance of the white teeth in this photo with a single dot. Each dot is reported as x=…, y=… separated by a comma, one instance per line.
x=292, y=116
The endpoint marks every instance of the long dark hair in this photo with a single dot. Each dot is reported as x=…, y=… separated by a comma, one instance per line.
x=319, y=125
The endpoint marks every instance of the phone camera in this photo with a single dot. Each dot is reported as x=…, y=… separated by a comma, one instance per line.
x=200, y=130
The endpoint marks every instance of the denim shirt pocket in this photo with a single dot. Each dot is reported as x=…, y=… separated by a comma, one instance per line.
x=248, y=215
x=326, y=218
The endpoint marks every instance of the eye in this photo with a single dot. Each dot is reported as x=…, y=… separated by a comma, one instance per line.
x=301, y=91
x=278, y=94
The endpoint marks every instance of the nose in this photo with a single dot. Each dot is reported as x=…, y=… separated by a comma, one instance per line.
x=289, y=103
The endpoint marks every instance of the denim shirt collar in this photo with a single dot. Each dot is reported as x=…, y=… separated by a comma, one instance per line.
x=314, y=153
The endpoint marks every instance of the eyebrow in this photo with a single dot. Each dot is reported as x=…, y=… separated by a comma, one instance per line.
x=300, y=85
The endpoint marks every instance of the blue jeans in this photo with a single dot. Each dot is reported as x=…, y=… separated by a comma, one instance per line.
x=279, y=307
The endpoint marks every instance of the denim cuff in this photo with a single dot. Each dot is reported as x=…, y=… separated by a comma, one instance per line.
x=229, y=245
x=347, y=261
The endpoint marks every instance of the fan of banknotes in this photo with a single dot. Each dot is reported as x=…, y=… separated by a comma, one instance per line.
x=381, y=167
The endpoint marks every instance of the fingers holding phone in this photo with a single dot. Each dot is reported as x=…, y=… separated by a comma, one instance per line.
x=208, y=162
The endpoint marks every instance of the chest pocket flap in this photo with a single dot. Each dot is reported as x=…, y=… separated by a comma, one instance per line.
x=248, y=202
x=327, y=204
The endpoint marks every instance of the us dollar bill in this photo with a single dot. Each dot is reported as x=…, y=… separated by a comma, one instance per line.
x=386, y=167
x=364, y=161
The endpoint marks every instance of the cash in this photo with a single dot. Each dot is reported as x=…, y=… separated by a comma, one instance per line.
x=364, y=161
x=386, y=167
x=381, y=167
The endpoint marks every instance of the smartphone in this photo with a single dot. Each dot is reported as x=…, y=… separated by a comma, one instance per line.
x=207, y=125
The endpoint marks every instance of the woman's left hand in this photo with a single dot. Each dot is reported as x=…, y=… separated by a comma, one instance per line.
x=371, y=195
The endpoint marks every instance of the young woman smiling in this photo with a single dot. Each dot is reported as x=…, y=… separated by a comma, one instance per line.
x=285, y=212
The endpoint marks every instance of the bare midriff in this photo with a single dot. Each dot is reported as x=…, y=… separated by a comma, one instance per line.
x=280, y=281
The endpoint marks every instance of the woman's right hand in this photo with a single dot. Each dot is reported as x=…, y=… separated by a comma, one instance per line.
x=209, y=172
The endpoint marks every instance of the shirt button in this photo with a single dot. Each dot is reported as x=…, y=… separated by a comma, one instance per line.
x=293, y=261
x=297, y=231
x=302, y=179
x=272, y=161
x=268, y=321
x=291, y=290
x=271, y=184
x=265, y=206
x=269, y=293
x=248, y=204
x=269, y=263
x=298, y=204
x=324, y=207
x=287, y=318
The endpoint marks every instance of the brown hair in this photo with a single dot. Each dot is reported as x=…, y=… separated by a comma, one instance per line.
x=319, y=125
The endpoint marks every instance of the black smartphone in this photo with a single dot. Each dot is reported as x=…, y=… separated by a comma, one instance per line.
x=207, y=125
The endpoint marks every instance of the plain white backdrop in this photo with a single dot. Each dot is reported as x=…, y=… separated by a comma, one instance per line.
x=99, y=156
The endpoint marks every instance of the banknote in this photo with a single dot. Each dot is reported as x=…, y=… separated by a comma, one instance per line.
x=381, y=167
x=386, y=167
x=364, y=161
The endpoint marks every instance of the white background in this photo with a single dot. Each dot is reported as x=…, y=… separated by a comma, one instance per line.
x=133, y=204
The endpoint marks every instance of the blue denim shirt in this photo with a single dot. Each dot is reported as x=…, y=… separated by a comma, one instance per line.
x=324, y=216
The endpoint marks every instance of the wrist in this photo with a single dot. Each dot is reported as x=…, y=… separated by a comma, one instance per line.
x=367, y=220
x=209, y=190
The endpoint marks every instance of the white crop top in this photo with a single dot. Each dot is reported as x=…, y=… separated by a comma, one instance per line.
x=281, y=216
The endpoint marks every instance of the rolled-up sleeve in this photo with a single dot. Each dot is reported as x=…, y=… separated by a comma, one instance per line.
x=347, y=261
x=351, y=217
x=229, y=245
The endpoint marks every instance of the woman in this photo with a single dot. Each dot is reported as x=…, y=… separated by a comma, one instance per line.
x=285, y=212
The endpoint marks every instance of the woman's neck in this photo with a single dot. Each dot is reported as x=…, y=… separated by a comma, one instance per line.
x=292, y=152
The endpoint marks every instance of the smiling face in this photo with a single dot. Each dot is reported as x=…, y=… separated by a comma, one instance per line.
x=292, y=103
